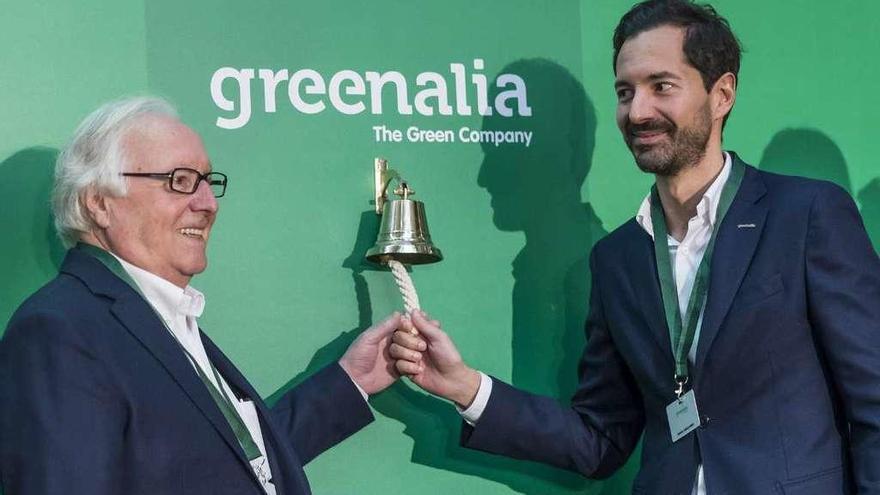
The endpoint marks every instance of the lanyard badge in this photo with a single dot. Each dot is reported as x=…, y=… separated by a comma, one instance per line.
x=682, y=411
x=683, y=415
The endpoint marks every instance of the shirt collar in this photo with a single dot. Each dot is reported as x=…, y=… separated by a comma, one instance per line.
x=169, y=300
x=707, y=208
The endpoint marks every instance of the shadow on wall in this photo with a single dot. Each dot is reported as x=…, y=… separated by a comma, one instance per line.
x=331, y=352
x=31, y=252
x=811, y=153
x=432, y=423
x=536, y=190
x=808, y=153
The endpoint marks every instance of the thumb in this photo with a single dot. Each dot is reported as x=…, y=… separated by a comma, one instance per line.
x=430, y=330
x=383, y=329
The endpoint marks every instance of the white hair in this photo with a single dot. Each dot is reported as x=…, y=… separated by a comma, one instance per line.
x=94, y=160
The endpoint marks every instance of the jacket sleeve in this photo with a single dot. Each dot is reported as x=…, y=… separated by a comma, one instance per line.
x=61, y=424
x=843, y=291
x=594, y=436
x=321, y=411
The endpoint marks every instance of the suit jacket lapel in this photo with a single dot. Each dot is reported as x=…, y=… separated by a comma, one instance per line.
x=139, y=318
x=642, y=267
x=738, y=236
x=271, y=436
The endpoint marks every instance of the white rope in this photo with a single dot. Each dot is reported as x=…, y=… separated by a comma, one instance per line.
x=405, y=285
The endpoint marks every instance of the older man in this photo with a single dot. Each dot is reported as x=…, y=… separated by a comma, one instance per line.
x=107, y=385
x=734, y=321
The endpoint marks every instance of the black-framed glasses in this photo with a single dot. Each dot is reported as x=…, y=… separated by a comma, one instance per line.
x=186, y=180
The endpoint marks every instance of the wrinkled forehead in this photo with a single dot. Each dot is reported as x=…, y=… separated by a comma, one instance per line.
x=159, y=143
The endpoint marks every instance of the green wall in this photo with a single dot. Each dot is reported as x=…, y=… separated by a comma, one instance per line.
x=287, y=289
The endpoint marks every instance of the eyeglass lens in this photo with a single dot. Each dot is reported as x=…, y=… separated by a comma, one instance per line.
x=187, y=181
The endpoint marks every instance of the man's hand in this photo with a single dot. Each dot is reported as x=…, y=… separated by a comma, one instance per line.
x=431, y=360
x=367, y=360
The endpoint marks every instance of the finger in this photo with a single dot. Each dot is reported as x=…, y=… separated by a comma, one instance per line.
x=407, y=326
x=431, y=331
x=384, y=328
x=409, y=341
x=410, y=328
x=397, y=351
x=428, y=318
x=408, y=368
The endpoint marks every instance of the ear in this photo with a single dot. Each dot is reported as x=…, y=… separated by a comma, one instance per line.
x=98, y=208
x=723, y=95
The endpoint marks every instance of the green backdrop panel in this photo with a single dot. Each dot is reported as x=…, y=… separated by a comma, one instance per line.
x=287, y=288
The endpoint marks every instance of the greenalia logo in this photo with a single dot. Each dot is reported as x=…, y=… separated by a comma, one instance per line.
x=351, y=93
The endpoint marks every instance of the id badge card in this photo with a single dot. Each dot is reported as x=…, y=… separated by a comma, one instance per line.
x=683, y=416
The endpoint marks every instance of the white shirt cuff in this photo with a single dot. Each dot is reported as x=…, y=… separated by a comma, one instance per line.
x=363, y=394
x=472, y=414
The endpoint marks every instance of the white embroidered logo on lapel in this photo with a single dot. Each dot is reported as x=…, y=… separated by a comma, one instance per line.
x=746, y=226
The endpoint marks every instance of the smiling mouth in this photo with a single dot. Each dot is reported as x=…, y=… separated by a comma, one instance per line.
x=647, y=137
x=194, y=233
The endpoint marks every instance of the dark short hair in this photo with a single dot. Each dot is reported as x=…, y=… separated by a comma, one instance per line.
x=709, y=44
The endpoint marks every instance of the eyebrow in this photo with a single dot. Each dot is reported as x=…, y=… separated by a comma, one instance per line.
x=662, y=75
x=656, y=76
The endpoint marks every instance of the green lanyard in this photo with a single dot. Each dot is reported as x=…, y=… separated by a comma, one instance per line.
x=682, y=333
x=223, y=402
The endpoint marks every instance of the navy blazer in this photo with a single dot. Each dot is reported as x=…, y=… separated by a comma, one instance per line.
x=97, y=398
x=787, y=369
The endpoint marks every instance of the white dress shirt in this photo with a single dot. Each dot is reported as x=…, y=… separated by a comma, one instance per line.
x=685, y=256
x=180, y=308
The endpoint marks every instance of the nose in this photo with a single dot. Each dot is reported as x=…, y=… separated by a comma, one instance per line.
x=641, y=107
x=203, y=199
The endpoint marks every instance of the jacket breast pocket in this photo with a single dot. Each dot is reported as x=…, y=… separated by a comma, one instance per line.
x=755, y=291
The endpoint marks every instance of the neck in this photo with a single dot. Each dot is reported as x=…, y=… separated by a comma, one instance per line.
x=95, y=240
x=681, y=193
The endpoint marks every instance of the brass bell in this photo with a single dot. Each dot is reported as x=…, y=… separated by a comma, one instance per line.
x=403, y=231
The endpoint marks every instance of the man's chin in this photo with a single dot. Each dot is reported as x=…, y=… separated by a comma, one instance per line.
x=652, y=168
x=652, y=161
x=195, y=266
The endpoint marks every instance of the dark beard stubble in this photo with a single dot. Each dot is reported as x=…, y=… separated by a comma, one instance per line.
x=686, y=147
